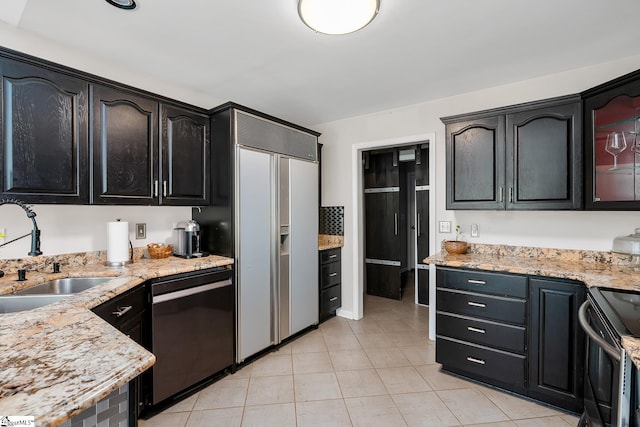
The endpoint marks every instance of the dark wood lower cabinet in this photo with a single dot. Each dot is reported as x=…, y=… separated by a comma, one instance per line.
x=330, y=283
x=516, y=332
x=556, y=345
x=129, y=313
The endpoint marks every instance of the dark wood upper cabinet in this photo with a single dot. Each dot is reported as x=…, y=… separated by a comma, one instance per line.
x=475, y=163
x=125, y=141
x=527, y=156
x=612, y=150
x=544, y=158
x=43, y=155
x=185, y=157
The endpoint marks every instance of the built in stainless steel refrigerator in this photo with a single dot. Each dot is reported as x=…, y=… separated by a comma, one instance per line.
x=276, y=232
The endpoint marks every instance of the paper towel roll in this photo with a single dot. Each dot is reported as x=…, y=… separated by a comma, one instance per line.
x=117, y=242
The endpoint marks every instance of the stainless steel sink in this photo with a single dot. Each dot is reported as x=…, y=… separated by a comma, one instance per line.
x=14, y=303
x=70, y=285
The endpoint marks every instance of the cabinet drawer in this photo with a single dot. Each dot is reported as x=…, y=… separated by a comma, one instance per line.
x=330, y=300
x=487, y=307
x=124, y=307
x=483, y=282
x=497, y=335
x=330, y=274
x=477, y=361
x=330, y=255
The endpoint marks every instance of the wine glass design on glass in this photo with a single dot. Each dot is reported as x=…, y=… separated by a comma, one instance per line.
x=616, y=144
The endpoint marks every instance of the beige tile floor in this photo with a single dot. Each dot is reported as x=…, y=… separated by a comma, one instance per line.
x=378, y=371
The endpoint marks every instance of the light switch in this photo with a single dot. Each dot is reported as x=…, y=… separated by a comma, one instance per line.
x=475, y=231
x=141, y=231
x=445, y=226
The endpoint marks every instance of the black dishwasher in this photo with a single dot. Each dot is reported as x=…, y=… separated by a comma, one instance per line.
x=192, y=329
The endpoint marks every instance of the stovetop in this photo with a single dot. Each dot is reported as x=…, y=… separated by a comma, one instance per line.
x=626, y=307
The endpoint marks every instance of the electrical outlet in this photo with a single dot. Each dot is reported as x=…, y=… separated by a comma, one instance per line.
x=3, y=235
x=475, y=230
x=445, y=226
x=141, y=231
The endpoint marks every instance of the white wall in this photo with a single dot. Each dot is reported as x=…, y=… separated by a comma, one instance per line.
x=574, y=230
x=67, y=229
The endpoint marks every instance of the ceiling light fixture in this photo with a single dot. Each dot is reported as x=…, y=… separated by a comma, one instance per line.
x=337, y=16
x=123, y=4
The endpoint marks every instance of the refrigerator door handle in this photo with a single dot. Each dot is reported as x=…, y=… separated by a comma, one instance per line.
x=418, y=224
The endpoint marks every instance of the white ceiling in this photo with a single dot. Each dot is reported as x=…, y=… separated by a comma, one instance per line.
x=258, y=52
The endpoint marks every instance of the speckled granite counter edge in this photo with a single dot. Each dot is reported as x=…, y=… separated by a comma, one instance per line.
x=329, y=241
x=61, y=359
x=593, y=268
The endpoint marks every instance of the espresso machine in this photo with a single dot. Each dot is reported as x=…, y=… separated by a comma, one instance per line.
x=186, y=237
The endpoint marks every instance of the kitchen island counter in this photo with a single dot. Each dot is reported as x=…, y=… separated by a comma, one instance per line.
x=594, y=269
x=60, y=359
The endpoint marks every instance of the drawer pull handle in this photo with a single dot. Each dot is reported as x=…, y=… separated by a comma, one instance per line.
x=477, y=282
x=474, y=360
x=333, y=256
x=333, y=299
x=122, y=310
x=333, y=274
x=476, y=304
x=478, y=330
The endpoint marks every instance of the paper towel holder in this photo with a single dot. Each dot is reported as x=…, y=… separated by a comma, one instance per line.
x=120, y=263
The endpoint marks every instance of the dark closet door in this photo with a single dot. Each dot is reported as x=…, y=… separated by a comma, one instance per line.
x=383, y=244
x=43, y=151
x=125, y=154
x=422, y=233
x=382, y=213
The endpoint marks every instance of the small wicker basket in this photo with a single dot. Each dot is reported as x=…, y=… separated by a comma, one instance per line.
x=158, y=252
x=455, y=246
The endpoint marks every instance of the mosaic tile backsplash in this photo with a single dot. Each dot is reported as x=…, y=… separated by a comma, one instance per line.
x=332, y=220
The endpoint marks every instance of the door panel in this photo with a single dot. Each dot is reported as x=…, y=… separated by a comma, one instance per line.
x=254, y=252
x=303, y=180
x=384, y=281
x=382, y=218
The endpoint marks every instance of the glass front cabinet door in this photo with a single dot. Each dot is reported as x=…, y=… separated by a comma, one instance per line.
x=612, y=144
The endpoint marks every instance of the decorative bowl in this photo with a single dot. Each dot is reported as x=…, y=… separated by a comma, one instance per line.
x=455, y=246
x=157, y=252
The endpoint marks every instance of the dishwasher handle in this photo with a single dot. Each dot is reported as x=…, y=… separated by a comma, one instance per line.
x=190, y=291
x=584, y=323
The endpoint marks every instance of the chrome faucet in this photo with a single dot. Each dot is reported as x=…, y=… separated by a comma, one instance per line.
x=35, y=233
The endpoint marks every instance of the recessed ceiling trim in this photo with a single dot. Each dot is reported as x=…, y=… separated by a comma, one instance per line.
x=337, y=16
x=123, y=4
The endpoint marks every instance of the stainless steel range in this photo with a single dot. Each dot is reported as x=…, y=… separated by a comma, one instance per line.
x=612, y=388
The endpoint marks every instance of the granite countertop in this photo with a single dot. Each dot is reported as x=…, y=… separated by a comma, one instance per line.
x=594, y=269
x=328, y=241
x=60, y=359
